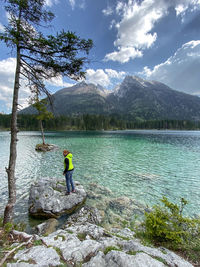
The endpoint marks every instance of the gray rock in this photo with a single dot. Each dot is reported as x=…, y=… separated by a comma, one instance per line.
x=121, y=259
x=110, y=242
x=60, y=239
x=125, y=232
x=81, y=252
x=168, y=256
x=97, y=261
x=21, y=236
x=21, y=264
x=85, y=214
x=47, y=227
x=72, y=248
x=40, y=255
x=47, y=198
x=88, y=229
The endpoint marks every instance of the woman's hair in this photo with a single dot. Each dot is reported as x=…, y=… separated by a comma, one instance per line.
x=65, y=151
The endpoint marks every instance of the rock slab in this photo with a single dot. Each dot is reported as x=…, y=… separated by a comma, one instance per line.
x=48, y=199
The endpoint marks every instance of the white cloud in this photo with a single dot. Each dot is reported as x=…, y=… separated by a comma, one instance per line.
x=1, y=27
x=97, y=77
x=82, y=5
x=136, y=24
x=78, y=3
x=7, y=71
x=119, y=7
x=72, y=3
x=50, y=2
x=104, y=77
x=124, y=54
x=58, y=82
x=114, y=74
x=180, y=71
x=108, y=11
x=7, y=74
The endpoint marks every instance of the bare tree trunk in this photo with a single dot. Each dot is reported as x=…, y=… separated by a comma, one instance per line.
x=8, y=212
x=42, y=132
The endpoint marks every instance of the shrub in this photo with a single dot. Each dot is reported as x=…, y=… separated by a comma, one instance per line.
x=167, y=224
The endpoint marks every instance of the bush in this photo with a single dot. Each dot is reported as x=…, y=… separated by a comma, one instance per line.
x=167, y=224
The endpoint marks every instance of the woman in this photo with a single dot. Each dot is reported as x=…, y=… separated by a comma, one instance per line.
x=68, y=171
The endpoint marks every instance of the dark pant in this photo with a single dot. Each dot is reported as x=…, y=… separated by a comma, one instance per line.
x=69, y=180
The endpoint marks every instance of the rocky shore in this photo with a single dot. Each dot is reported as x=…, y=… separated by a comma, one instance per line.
x=82, y=241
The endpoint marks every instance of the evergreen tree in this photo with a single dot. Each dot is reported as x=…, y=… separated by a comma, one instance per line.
x=43, y=113
x=38, y=58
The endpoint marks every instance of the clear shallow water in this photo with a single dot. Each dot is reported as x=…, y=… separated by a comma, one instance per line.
x=141, y=165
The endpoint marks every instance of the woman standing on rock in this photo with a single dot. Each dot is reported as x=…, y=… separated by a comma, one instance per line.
x=68, y=170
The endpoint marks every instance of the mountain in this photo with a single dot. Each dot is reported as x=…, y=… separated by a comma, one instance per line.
x=133, y=98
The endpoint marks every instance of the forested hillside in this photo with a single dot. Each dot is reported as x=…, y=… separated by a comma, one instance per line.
x=95, y=122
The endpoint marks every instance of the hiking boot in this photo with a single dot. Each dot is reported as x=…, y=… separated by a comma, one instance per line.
x=74, y=191
x=67, y=193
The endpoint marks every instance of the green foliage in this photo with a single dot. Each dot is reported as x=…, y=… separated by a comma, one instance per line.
x=167, y=224
x=42, y=57
x=81, y=236
x=5, y=232
x=8, y=227
x=1, y=221
x=110, y=248
x=70, y=232
x=12, y=226
x=43, y=113
x=37, y=242
x=93, y=122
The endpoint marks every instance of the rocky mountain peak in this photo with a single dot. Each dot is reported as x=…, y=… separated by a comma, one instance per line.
x=128, y=84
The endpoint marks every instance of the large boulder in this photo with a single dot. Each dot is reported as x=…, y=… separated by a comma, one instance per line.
x=48, y=198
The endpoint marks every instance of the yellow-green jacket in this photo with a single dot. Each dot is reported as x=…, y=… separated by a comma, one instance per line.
x=68, y=165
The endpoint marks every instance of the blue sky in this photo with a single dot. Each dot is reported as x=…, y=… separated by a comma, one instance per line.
x=154, y=39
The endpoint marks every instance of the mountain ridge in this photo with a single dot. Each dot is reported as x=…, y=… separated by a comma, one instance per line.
x=135, y=98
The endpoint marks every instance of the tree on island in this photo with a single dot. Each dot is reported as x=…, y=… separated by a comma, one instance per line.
x=43, y=114
x=38, y=58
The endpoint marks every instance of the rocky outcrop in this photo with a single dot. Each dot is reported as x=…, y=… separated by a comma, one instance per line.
x=45, y=147
x=48, y=198
x=82, y=243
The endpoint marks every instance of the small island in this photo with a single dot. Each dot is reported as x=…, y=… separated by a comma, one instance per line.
x=45, y=147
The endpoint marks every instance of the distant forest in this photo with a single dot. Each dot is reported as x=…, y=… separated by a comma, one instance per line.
x=95, y=122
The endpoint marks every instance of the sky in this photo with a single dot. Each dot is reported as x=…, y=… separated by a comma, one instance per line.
x=153, y=39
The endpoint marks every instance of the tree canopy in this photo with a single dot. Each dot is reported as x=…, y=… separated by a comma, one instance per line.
x=42, y=57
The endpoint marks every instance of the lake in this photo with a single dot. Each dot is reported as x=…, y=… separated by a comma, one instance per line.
x=141, y=165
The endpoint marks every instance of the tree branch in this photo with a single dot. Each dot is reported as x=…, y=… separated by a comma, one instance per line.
x=14, y=249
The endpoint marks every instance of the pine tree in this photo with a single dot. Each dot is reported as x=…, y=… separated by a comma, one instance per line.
x=43, y=113
x=38, y=58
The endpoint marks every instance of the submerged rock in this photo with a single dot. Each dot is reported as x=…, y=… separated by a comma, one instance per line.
x=48, y=198
x=47, y=227
x=85, y=214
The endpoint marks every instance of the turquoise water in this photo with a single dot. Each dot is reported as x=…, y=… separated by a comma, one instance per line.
x=141, y=165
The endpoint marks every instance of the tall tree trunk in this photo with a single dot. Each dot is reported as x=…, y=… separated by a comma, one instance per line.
x=42, y=132
x=8, y=212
